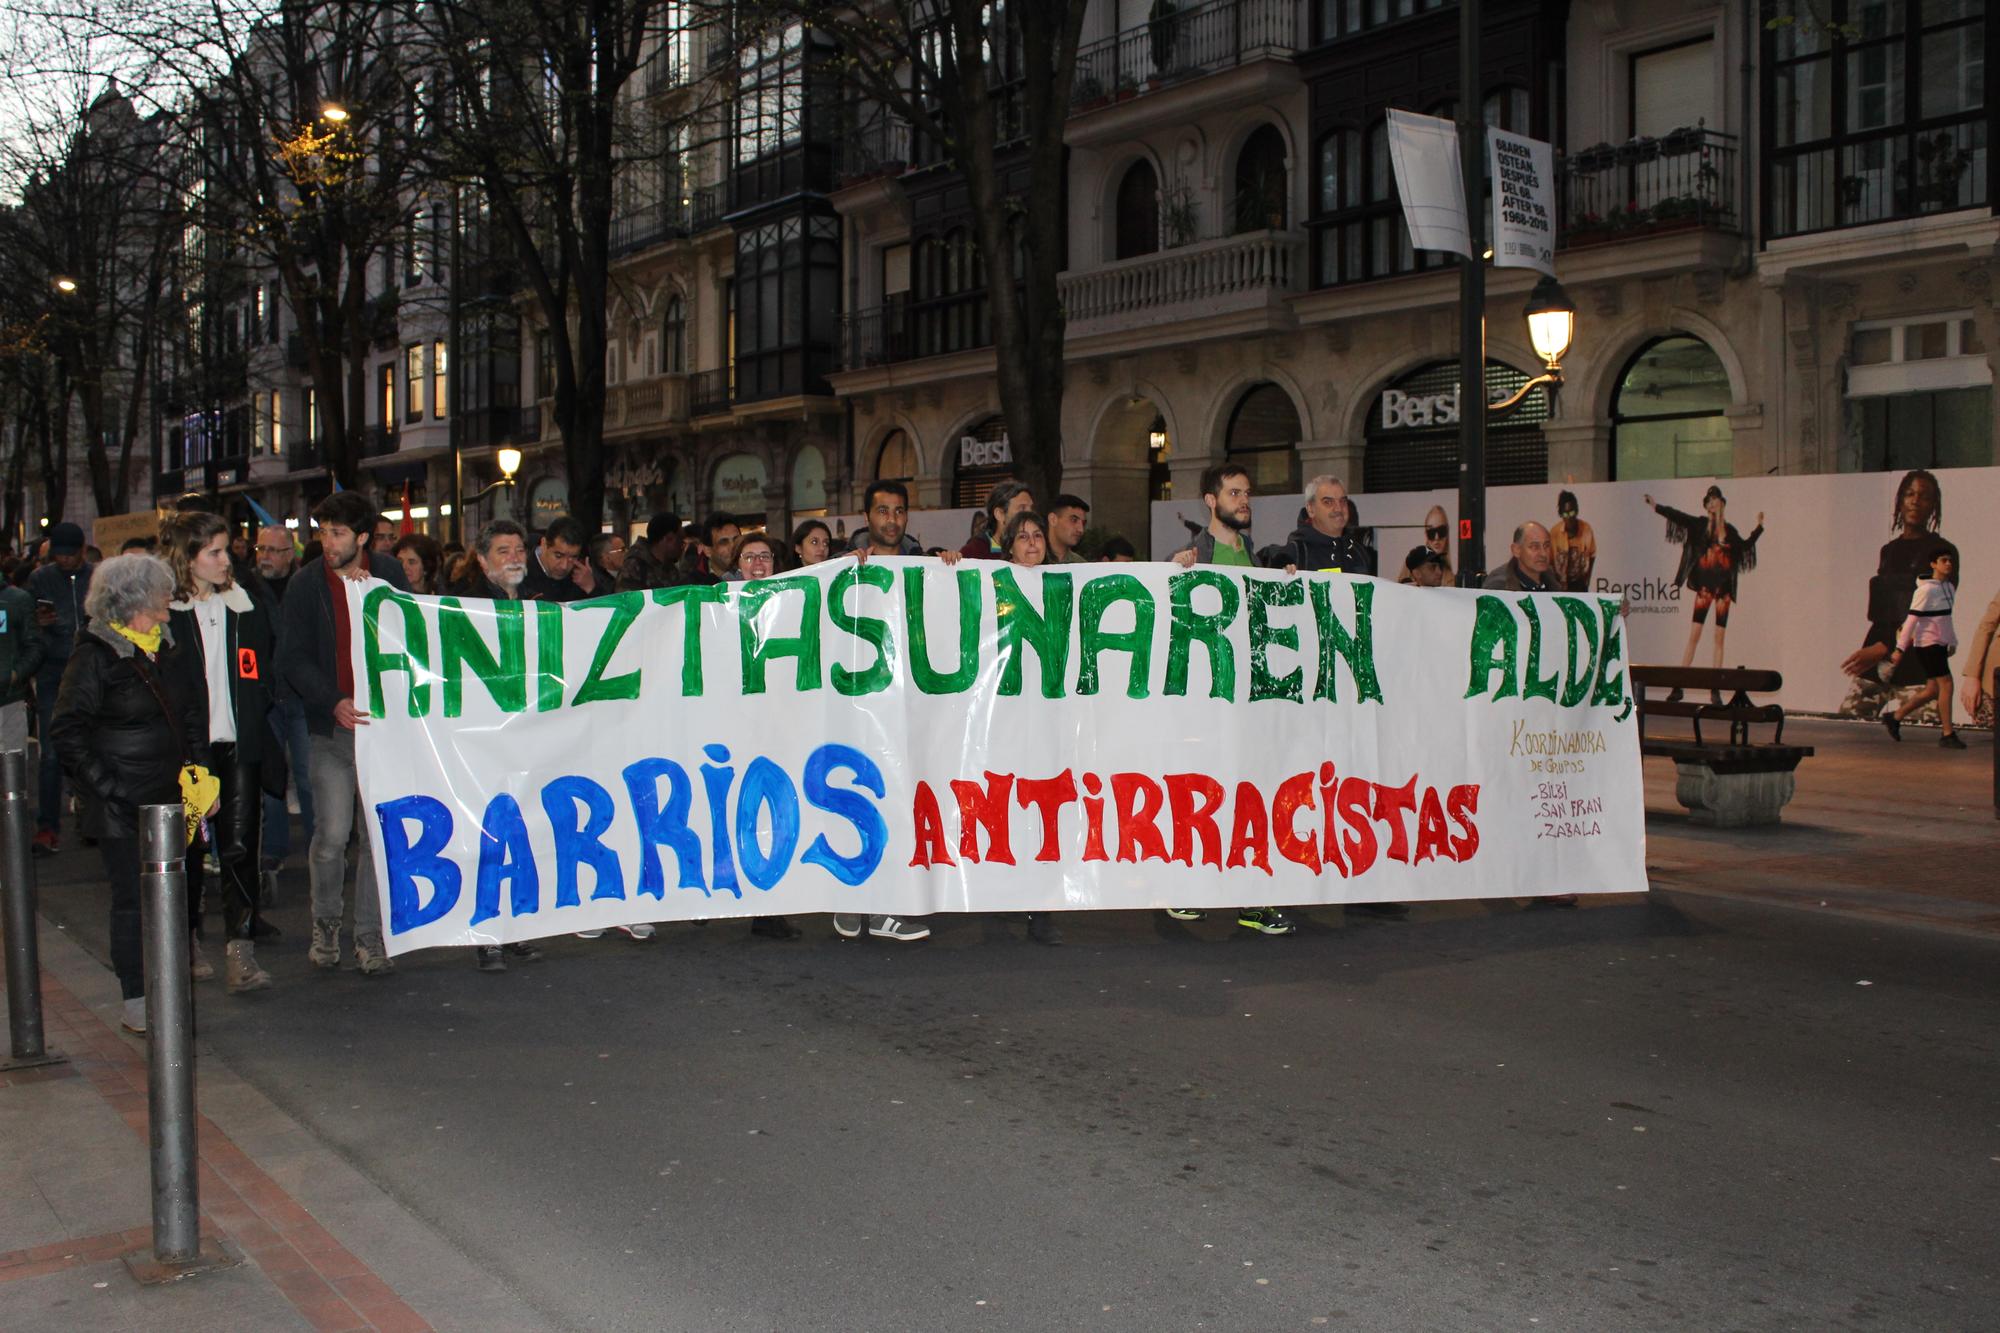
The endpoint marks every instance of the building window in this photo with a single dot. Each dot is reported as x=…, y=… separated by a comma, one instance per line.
x=673, y=338
x=1919, y=395
x=277, y=423
x=1138, y=211
x=545, y=366
x=948, y=311
x=1262, y=184
x=770, y=94
x=1264, y=438
x=787, y=314
x=386, y=376
x=896, y=460
x=271, y=315
x=1876, y=113
x=1673, y=88
x=312, y=418
x=413, y=381
x=440, y=381
x=1667, y=417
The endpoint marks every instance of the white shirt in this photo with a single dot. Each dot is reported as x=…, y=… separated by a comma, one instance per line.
x=213, y=617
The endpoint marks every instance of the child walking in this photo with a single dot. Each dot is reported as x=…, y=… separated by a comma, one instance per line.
x=1928, y=636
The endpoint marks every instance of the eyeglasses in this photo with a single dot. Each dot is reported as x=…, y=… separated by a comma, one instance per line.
x=1436, y=534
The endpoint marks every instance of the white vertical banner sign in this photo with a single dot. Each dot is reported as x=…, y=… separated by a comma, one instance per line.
x=1524, y=203
x=1424, y=152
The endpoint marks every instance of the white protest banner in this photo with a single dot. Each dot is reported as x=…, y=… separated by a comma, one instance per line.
x=1524, y=201
x=903, y=737
x=1424, y=153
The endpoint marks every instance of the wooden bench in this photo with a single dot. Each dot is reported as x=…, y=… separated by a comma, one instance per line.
x=1727, y=778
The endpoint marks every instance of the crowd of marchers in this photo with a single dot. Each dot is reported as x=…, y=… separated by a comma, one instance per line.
x=212, y=669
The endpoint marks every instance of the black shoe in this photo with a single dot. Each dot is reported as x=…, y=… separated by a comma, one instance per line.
x=527, y=951
x=1950, y=741
x=773, y=928
x=1387, y=911
x=489, y=959
x=1894, y=725
x=1042, y=928
x=1560, y=902
x=1673, y=696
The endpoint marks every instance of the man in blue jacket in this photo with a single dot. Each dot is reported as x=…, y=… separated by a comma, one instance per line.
x=58, y=588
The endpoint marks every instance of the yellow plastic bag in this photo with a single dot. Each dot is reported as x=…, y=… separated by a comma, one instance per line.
x=200, y=790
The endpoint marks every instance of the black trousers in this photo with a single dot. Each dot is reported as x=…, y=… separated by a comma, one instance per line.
x=233, y=832
x=128, y=959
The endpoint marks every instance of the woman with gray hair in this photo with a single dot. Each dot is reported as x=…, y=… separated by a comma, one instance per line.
x=132, y=711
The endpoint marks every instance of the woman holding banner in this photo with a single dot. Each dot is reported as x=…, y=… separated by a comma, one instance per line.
x=1025, y=542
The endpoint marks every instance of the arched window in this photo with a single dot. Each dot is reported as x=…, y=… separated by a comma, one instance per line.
x=1667, y=416
x=1263, y=438
x=1388, y=238
x=1138, y=220
x=896, y=460
x=673, y=338
x=1262, y=192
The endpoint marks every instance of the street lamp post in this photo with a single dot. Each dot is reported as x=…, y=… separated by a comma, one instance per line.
x=1471, y=310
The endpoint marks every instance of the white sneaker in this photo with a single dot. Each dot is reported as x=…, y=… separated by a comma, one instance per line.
x=639, y=930
x=590, y=934
x=134, y=1017
x=896, y=928
x=848, y=927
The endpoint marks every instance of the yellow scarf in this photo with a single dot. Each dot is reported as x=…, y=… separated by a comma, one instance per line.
x=149, y=640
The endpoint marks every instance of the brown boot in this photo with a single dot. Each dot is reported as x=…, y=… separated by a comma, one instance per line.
x=243, y=972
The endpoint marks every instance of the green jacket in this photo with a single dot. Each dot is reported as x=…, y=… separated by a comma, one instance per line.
x=21, y=646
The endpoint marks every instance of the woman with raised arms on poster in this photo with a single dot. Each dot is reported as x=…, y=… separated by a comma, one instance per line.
x=1713, y=554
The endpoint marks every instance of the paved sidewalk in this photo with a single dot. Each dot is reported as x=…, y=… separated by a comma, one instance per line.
x=318, y=1246
x=1878, y=830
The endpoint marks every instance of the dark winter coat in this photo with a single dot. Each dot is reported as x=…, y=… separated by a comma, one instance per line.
x=21, y=645
x=64, y=590
x=308, y=643
x=115, y=741
x=252, y=656
x=1312, y=551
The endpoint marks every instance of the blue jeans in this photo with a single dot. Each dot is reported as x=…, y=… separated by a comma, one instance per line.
x=47, y=682
x=288, y=720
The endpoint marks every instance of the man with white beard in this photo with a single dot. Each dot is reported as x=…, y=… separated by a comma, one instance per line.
x=502, y=551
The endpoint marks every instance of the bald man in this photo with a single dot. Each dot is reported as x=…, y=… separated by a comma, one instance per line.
x=1528, y=570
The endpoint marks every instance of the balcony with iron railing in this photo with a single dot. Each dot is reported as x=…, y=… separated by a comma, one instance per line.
x=880, y=147
x=905, y=330
x=1645, y=187
x=1182, y=45
x=644, y=225
x=1941, y=166
x=710, y=393
x=1255, y=271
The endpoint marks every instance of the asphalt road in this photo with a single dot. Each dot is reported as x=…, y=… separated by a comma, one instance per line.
x=1645, y=1114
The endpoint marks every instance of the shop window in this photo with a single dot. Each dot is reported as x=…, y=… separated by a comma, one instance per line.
x=1667, y=416
x=1263, y=439
x=1262, y=187
x=1138, y=222
x=1413, y=431
x=981, y=460
x=1948, y=428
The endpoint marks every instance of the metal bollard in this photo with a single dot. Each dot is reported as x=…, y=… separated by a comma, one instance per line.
x=170, y=1030
x=24, y=966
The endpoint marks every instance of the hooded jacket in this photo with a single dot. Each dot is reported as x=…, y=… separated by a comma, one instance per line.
x=115, y=741
x=1313, y=551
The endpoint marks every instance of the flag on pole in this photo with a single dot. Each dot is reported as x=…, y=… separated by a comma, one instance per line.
x=1424, y=152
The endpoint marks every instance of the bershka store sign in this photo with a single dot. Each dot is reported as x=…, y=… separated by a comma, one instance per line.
x=1406, y=411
